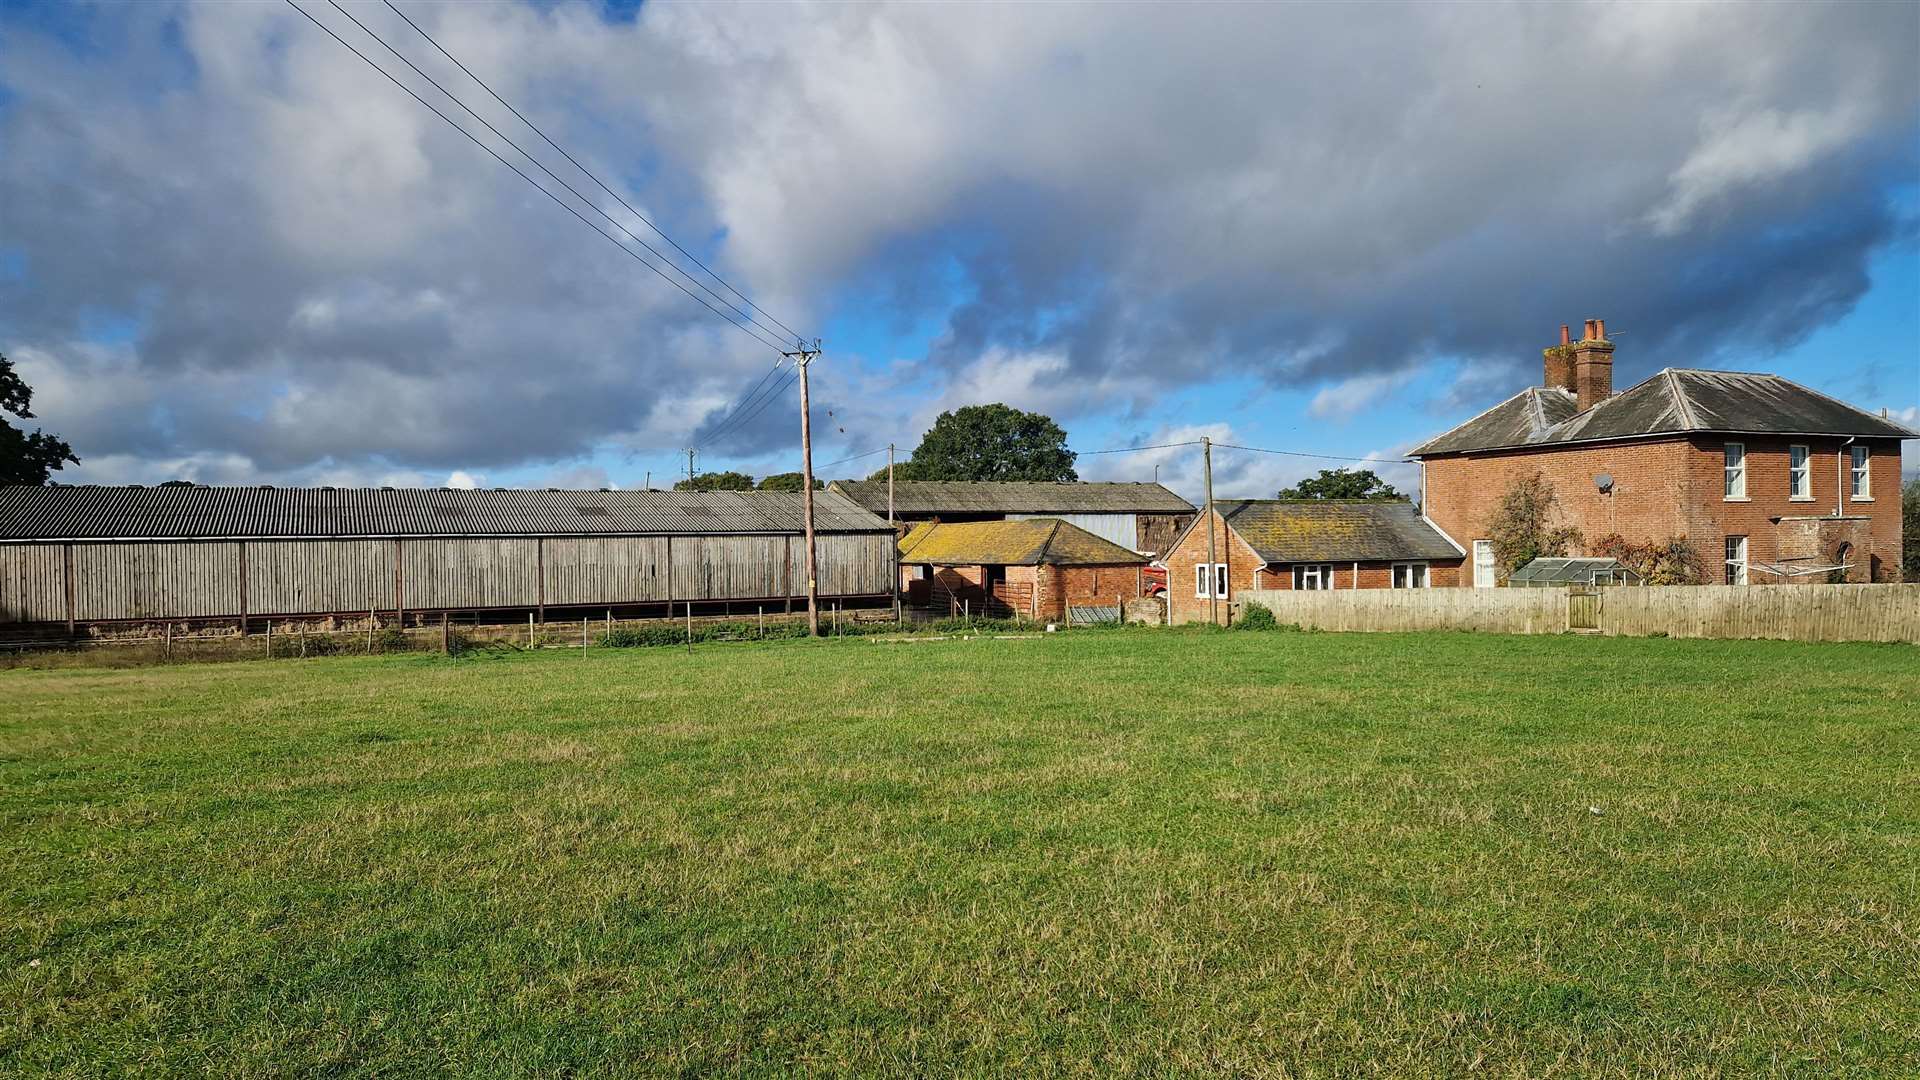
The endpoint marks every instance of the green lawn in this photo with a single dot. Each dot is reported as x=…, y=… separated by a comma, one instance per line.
x=1107, y=853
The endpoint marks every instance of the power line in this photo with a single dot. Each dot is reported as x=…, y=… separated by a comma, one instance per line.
x=740, y=405
x=779, y=389
x=1134, y=449
x=1323, y=457
x=749, y=408
x=589, y=175
x=750, y=331
x=855, y=457
x=538, y=164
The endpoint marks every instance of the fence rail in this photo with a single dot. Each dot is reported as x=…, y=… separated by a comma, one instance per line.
x=1784, y=612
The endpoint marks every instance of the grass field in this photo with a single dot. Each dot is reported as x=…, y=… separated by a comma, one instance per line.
x=1110, y=853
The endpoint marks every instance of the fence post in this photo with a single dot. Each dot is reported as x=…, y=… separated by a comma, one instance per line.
x=269, y=639
x=529, y=631
x=763, y=621
x=446, y=636
x=169, y=639
x=583, y=635
x=303, y=640
x=689, y=626
x=369, y=631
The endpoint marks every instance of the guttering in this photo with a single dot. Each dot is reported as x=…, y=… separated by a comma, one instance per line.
x=423, y=536
x=1679, y=434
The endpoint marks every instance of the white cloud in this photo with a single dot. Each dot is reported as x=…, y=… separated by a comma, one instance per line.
x=1739, y=151
x=1349, y=396
x=465, y=481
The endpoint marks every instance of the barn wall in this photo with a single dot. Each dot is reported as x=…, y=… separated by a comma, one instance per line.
x=460, y=573
x=203, y=579
x=33, y=583
x=605, y=570
x=154, y=581
x=287, y=577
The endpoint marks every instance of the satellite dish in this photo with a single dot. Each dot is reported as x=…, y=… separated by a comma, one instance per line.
x=1603, y=481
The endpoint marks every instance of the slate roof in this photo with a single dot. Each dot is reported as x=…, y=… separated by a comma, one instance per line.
x=1674, y=401
x=193, y=512
x=1012, y=497
x=1326, y=530
x=1028, y=542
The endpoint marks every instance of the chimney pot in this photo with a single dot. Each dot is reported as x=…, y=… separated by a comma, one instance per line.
x=1599, y=329
x=1566, y=334
x=1586, y=334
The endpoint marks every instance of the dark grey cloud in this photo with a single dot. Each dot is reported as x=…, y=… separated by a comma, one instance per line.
x=301, y=272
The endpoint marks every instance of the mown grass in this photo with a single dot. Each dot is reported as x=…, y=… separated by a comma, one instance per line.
x=1122, y=853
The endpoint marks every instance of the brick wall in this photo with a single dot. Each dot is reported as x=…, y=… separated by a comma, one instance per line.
x=1244, y=573
x=1674, y=487
x=1085, y=585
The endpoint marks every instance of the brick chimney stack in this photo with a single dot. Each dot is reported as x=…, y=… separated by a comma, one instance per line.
x=1592, y=366
x=1559, y=362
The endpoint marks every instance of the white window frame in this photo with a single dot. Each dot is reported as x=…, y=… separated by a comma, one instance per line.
x=1860, y=473
x=1736, y=560
x=1800, y=473
x=1218, y=578
x=1321, y=574
x=1734, y=472
x=1221, y=587
x=1200, y=577
x=1492, y=566
x=1418, y=576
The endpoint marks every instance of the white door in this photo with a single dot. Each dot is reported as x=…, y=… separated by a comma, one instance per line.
x=1483, y=577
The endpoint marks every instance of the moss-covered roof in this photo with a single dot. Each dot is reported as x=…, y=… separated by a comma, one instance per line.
x=1325, y=530
x=1029, y=542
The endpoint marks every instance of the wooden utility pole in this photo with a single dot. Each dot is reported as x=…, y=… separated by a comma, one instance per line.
x=801, y=357
x=1213, y=590
x=895, y=538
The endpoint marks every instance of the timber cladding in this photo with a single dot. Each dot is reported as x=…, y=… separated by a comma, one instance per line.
x=100, y=582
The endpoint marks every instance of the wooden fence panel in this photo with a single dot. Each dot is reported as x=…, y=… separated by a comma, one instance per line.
x=1496, y=611
x=606, y=570
x=1784, y=612
x=33, y=583
x=156, y=581
x=311, y=577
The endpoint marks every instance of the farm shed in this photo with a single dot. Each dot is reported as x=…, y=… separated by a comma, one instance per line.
x=1142, y=517
x=1033, y=568
x=79, y=555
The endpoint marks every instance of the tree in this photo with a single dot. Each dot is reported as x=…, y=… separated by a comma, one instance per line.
x=991, y=442
x=786, y=481
x=1674, y=561
x=716, y=481
x=25, y=457
x=1910, y=531
x=1344, y=484
x=1523, y=526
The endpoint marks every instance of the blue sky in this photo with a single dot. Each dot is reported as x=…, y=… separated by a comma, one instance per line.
x=232, y=253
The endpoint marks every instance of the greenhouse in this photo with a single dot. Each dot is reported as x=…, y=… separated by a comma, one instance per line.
x=1556, y=573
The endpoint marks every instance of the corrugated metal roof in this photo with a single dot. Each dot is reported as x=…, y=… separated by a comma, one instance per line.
x=187, y=512
x=1029, y=542
x=1012, y=497
x=1675, y=401
x=1323, y=530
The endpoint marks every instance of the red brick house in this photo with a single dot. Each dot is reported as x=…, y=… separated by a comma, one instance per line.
x=1772, y=481
x=1303, y=544
x=1031, y=568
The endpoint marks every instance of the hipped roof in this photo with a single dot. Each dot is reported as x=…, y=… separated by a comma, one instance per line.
x=1673, y=402
x=1028, y=542
x=194, y=512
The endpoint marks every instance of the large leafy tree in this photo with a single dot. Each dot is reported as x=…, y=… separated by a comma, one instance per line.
x=1524, y=526
x=26, y=457
x=717, y=481
x=786, y=481
x=1343, y=484
x=991, y=442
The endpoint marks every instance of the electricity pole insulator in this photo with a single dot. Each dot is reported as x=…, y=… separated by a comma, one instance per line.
x=801, y=357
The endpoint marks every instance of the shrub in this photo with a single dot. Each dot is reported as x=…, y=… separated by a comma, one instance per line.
x=1673, y=561
x=1257, y=617
x=1523, y=526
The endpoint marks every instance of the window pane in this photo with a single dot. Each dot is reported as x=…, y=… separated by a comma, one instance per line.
x=1200, y=580
x=1798, y=473
x=1736, y=457
x=1860, y=478
x=1220, y=580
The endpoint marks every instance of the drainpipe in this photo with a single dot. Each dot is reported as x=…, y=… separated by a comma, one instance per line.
x=1840, y=476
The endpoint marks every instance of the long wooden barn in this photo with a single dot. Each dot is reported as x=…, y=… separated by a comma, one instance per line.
x=80, y=555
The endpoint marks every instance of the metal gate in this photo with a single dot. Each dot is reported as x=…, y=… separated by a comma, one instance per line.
x=1583, y=609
